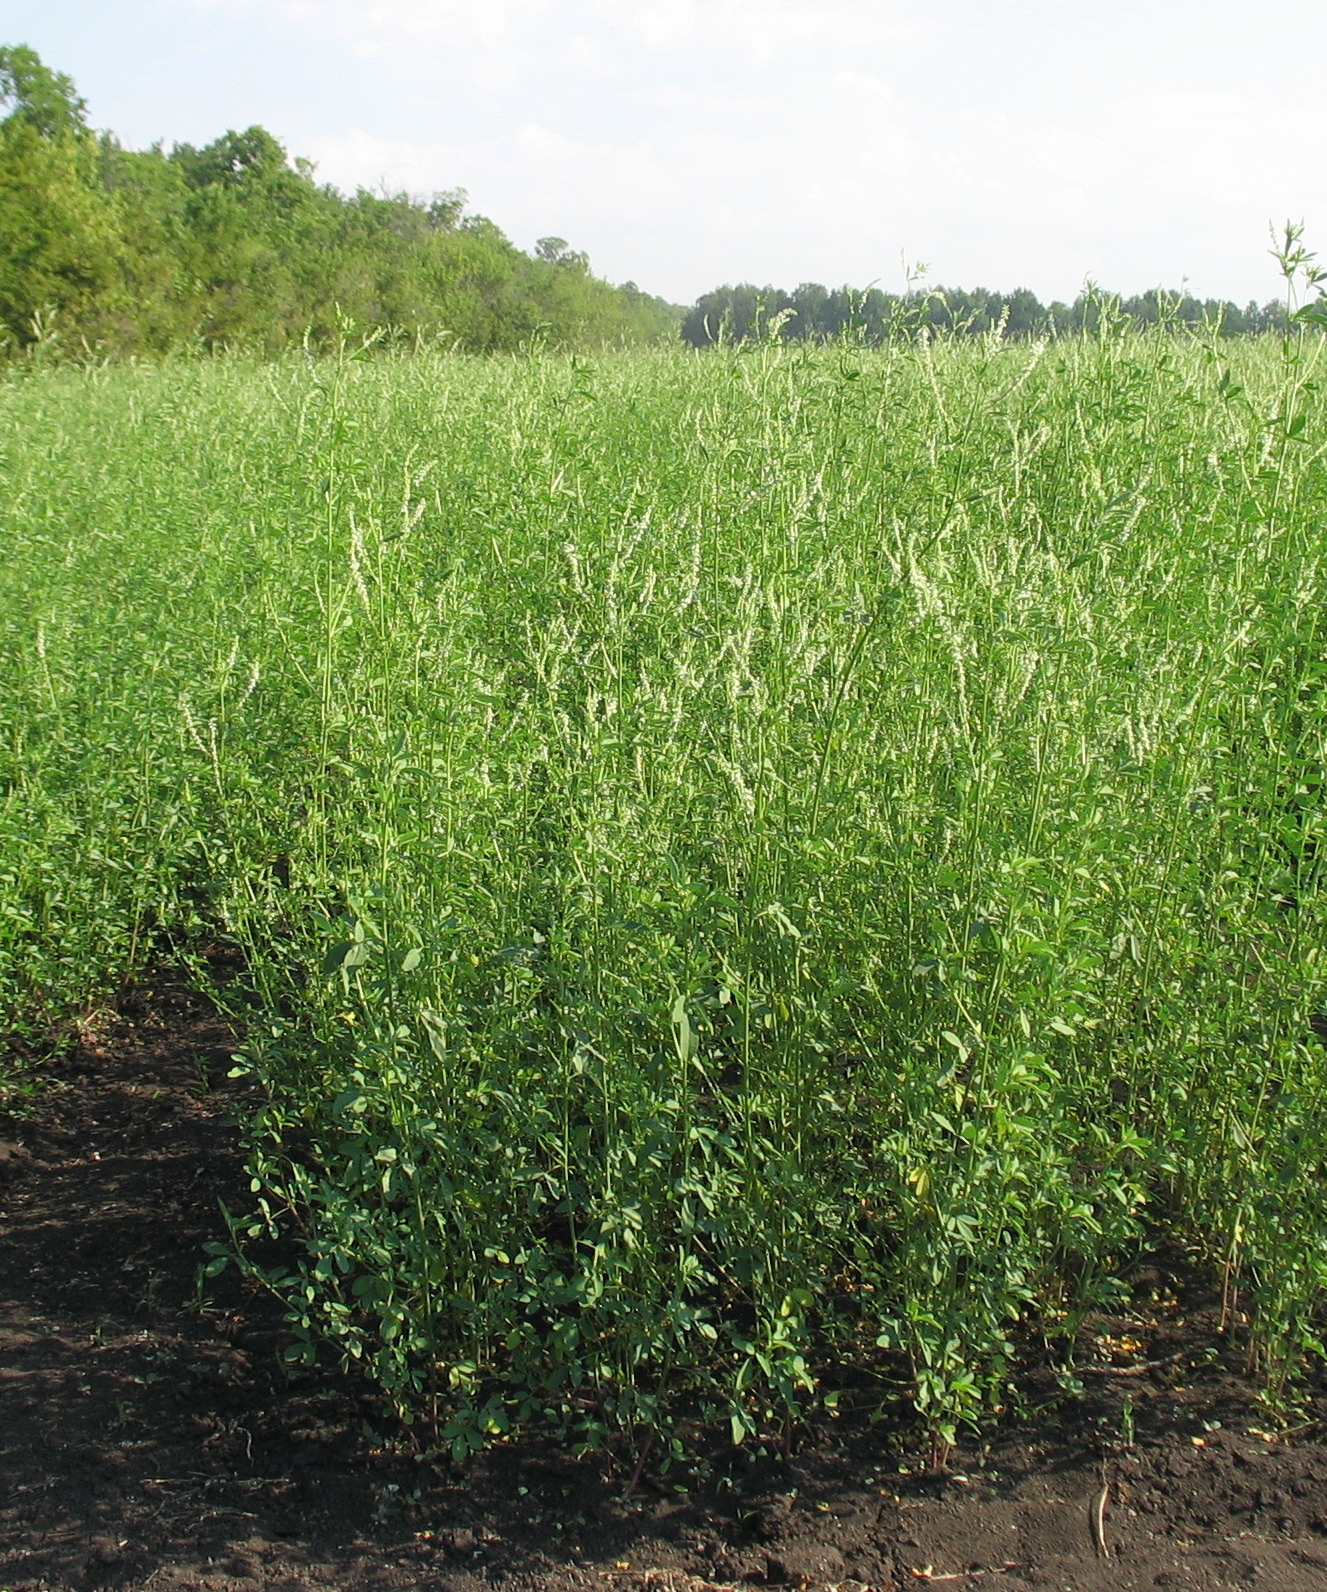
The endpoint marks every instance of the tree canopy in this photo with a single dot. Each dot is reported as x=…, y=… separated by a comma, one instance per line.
x=812, y=313
x=235, y=245
x=37, y=97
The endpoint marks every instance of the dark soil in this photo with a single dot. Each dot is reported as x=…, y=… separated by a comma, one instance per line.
x=149, y=1438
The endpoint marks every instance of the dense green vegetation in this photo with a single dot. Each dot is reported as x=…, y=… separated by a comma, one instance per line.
x=757, y=871
x=815, y=314
x=114, y=251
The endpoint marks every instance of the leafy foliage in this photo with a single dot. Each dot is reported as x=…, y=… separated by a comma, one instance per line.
x=747, y=866
x=38, y=98
x=812, y=313
x=119, y=251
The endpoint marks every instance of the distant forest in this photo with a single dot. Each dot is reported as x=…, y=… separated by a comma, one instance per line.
x=119, y=252
x=812, y=313
x=232, y=245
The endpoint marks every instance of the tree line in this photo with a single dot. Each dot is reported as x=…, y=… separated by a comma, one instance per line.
x=118, y=251
x=812, y=313
x=234, y=245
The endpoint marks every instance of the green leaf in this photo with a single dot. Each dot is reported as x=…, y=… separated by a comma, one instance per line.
x=337, y=955
x=684, y=1034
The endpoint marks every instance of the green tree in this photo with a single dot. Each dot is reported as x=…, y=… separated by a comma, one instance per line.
x=61, y=239
x=42, y=99
x=233, y=244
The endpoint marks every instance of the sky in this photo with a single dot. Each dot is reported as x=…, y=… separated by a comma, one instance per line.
x=687, y=143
